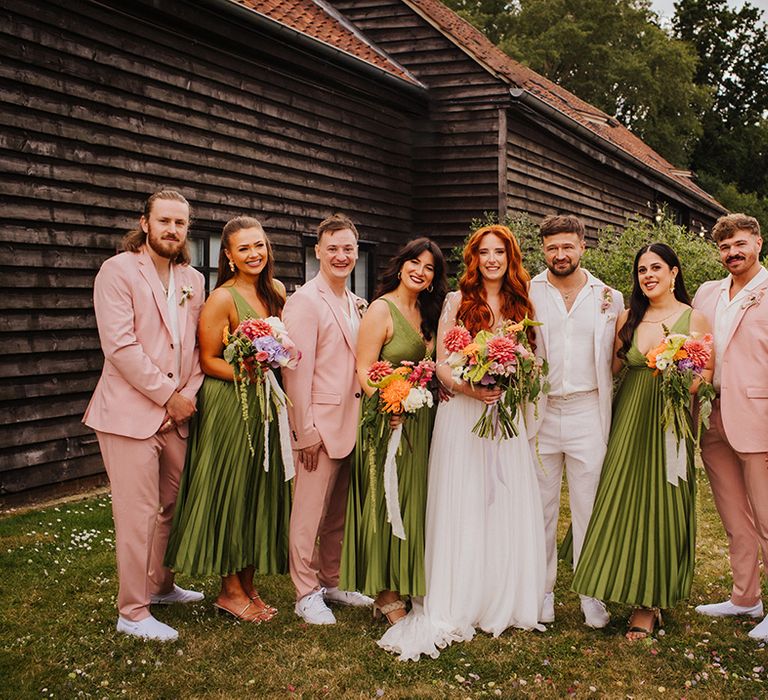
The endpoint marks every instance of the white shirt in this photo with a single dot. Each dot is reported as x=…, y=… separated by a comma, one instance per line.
x=173, y=317
x=725, y=315
x=352, y=317
x=571, y=342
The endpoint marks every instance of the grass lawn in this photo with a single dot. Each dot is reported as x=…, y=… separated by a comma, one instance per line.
x=57, y=637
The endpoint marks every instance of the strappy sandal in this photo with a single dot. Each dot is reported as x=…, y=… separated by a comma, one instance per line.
x=262, y=606
x=256, y=616
x=388, y=609
x=638, y=629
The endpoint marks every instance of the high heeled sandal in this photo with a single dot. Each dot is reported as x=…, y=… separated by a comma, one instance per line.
x=262, y=606
x=256, y=616
x=637, y=629
x=388, y=609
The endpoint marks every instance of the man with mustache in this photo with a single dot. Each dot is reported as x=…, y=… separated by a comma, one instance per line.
x=147, y=301
x=578, y=313
x=735, y=447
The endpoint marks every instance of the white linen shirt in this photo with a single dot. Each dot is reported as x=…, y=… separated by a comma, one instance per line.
x=571, y=342
x=173, y=317
x=725, y=315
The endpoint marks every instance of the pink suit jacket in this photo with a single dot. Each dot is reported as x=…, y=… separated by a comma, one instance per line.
x=323, y=388
x=139, y=358
x=744, y=368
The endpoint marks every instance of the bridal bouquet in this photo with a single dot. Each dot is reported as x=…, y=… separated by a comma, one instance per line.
x=680, y=359
x=254, y=349
x=504, y=359
x=402, y=390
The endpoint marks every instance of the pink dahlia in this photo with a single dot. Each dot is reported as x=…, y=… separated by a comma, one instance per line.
x=456, y=339
x=255, y=328
x=699, y=351
x=378, y=370
x=502, y=350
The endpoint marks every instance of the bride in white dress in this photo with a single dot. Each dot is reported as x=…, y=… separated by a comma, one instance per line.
x=484, y=550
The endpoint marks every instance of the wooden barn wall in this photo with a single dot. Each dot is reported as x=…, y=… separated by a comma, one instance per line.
x=546, y=175
x=549, y=171
x=457, y=150
x=98, y=109
x=479, y=154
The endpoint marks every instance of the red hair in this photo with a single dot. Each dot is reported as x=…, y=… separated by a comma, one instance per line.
x=474, y=311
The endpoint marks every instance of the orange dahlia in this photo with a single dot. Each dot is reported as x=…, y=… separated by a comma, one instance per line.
x=394, y=394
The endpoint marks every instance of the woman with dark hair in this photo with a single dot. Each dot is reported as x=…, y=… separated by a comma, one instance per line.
x=400, y=324
x=231, y=515
x=639, y=546
x=484, y=550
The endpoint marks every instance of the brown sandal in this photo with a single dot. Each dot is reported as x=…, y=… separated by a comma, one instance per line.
x=641, y=631
x=388, y=609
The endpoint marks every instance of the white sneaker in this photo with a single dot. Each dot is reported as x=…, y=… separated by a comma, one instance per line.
x=353, y=598
x=148, y=628
x=177, y=595
x=596, y=615
x=312, y=609
x=727, y=608
x=760, y=631
x=548, y=608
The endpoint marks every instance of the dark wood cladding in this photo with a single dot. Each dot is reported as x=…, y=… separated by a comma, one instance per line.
x=100, y=104
x=457, y=150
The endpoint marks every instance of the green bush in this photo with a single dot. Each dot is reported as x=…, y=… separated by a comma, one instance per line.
x=611, y=259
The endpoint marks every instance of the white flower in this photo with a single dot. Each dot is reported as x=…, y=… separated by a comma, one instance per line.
x=186, y=293
x=277, y=326
x=662, y=363
x=417, y=397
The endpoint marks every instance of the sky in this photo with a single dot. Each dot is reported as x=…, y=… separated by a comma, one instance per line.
x=666, y=7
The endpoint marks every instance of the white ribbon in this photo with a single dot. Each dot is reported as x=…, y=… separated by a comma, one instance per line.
x=391, y=487
x=283, y=431
x=676, y=457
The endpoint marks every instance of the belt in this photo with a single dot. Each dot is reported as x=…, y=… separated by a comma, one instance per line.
x=574, y=396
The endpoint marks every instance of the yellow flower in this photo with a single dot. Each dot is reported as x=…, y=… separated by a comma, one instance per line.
x=225, y=334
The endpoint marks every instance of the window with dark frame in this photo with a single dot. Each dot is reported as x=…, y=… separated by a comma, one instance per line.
x=204, y=244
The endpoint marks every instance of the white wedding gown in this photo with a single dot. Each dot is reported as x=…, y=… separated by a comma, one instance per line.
x=484, y=550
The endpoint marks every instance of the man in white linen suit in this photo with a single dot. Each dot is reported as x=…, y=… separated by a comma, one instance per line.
x=578, y=313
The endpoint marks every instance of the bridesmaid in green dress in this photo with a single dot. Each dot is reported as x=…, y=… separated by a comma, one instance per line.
x=400, y=324
x=639, y=546
x=231, y=515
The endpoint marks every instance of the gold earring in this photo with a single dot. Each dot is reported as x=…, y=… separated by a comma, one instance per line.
x=231, y=266
x=672, y=286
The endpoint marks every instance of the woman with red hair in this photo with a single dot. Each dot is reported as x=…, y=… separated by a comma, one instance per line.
x=484, y=549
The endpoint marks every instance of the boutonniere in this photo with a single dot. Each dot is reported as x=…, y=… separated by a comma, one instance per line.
x=753, y=299
x=607, y=300
x=186, y=293
x=361, y=305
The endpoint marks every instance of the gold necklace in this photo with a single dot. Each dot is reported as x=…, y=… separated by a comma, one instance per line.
x=659, y=320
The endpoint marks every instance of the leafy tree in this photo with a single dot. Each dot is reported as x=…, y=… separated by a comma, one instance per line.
x=731, y=157
x=611, y=53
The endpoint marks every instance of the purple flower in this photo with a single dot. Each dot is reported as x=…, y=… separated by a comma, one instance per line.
x=685, y=364
x=487, y=380
x=276, y=354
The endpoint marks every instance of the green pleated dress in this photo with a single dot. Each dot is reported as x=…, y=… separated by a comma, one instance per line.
x=375, y=561
x=230, y=513
x=639, y=546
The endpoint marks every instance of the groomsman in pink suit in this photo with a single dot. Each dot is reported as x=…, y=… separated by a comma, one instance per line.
x=578, y=313
x=735, y=448
x=147, y=302
x=322, y=318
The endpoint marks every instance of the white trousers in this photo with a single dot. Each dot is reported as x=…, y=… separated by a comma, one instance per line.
x=571, y=436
